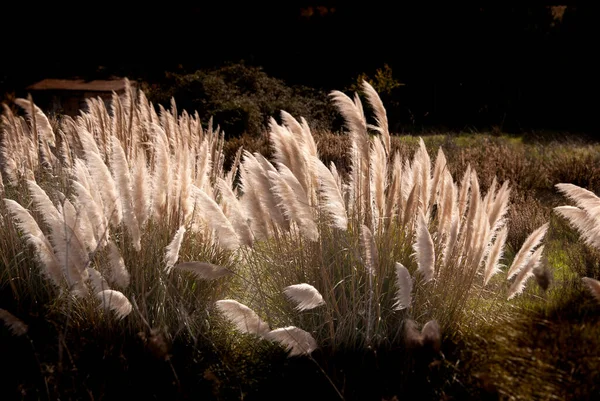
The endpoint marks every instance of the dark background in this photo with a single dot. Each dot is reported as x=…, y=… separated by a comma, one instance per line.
x=464, y=66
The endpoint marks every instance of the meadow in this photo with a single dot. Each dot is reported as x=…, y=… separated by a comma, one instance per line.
x=145, y=256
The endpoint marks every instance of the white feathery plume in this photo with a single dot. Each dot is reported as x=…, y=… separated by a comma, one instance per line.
x=424, y=250
x=527, y=248
x=250, y=201
x=480, y=240
x=284, y=146
x=141, y=189
x=88, y=143
x=332, y=199
x=370, y=255
x=203, y=164
x=82, y=174
x=406, y=183
x=431, y=335
x=44, y=205
x=115, y=301
x=35, y=236
x=110, y=198
x=243, y=318
x=16, y=326
x=77, y=219
x=411, y=207
x=235, y=213
x=453, y=231
x=122, y=177
x=392, y=203
x=490, y=195
x=359, y=107
x=64, y=151
x=472, y=213
x=309, y=140
x=161, y=176
x=304, y=295
x=230, y=177
x=437, y=181
x=526, y=272
x=380, y=114
x=357, y=125
x=593, y=286
x=172, y=250
x=354, y=117
x=287, y=151
x=1, y=185
x=465, y=184
x=10, y=164
x=68, y=250
x=499, y=207
x=257, y=168
x=447, y=203
x=338, y=179
x=96, y=280
x=118, y=273
x=25, y=221
x=404, y=285
x=203, y=270
x=293, y=126
x=297, y=341
x=95, y=214
x=216, y=219
x=583, y=198
x=378, y=178
x=293, y=201
x=587, y=226
x=496, y=252
x=42, y=124
x=423, y=160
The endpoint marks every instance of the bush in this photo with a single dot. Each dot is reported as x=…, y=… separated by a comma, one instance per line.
x=241, y=98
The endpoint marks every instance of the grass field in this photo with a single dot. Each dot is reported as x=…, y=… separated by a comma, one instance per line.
x=143, y=256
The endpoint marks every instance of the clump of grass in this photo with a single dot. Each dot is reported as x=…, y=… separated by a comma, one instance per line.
x=389, y=210
x=384, y=249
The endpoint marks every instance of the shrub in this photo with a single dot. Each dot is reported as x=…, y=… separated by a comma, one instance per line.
x=241, y=98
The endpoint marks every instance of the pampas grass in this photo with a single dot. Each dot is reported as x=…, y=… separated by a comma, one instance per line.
x=593, y=286
x=16, y=326
x=115, y=301
x=398, y=240
x=296, y=340
x=244, y=319
x=404, y=284
x=304, y=295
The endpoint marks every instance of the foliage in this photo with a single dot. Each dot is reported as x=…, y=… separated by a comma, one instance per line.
x=241, y=98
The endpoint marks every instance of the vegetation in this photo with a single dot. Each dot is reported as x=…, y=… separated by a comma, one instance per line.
x=145, y=256
x=241, y=98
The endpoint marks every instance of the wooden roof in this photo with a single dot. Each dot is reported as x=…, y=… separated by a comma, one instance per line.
x=80, y=85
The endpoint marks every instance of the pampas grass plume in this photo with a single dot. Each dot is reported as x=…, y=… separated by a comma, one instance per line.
x=244, y=318
x=296, y=340
x=305, y=295
x=593, y=286
x=404, y=286
x=115, y=301
x=13, y=323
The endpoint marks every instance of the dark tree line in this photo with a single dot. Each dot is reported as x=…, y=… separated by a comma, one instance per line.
x=518, y=67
